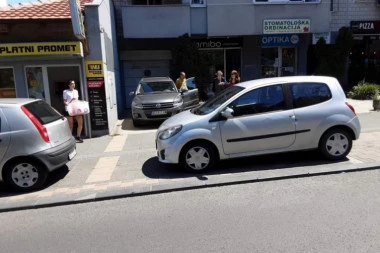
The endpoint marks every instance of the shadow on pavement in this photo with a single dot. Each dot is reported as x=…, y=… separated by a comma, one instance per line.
x=152, y=168
x=128, y=125
x=52, y=179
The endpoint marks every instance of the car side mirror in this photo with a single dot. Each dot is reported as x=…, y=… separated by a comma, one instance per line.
x=228, y=113
x=132, y=93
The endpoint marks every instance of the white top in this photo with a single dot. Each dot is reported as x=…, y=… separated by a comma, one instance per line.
x=69, y=95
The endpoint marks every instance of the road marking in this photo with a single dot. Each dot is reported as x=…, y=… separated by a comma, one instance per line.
x=353, y=160
x=103, y=169
x=116, y=144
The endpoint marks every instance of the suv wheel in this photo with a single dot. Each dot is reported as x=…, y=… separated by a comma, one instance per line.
x=198, y=156
x=335, y=144
x=25, y=175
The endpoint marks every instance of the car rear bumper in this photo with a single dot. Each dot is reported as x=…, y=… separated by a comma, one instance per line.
x=56, y=157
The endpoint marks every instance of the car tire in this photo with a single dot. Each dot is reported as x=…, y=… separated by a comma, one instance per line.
x=198, y=157
x=335, y=144
x=25, y=175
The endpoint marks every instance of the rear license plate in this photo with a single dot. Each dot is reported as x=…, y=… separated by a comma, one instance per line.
x=155, y=113
x=72, y=154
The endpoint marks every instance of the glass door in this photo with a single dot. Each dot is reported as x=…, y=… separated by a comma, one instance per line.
x=36, y=78
x=278, y=61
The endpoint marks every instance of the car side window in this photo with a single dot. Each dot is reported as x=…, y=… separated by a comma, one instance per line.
x=261, y=100
x=307, y=94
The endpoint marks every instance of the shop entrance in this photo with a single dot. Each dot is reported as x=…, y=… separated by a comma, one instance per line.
x=225, y=60
x=278, y=61
x=48, y=83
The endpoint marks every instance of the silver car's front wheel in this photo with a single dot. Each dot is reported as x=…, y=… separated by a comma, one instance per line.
x=25, y=175
x=198, y=156
x=336, y=144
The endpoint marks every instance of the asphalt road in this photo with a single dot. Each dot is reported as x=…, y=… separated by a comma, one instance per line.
x=338, y=213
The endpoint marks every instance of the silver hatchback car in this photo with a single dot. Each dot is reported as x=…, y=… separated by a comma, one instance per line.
x=262, y=116
x=34, y=140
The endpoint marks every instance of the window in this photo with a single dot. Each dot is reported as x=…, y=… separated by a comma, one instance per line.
x=198, y=3
x=261, y=100
x=307, y=94
x=155, y=2
x=285, y=1
x=7, y=83
x=44, y=113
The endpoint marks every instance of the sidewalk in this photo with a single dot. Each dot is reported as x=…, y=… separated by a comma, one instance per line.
x=126, y=165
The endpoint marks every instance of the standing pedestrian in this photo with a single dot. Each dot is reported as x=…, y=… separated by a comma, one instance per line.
x=234, y=79
x=219, y=83
x=70, y=95
x=181, y=82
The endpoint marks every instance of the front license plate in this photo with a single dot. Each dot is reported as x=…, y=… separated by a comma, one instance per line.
x=72, y=154
x=155, y=113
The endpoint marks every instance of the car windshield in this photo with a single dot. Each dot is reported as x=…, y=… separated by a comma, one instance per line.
x=213, y=103
x=156, y=87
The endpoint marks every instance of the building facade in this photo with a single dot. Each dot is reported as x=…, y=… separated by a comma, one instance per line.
x=363, y=17
x=40, y=53
x=259, y=38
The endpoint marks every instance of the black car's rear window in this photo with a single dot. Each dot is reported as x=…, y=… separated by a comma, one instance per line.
x=43, y=112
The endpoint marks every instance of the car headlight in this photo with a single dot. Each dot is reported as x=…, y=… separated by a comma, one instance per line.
x=178, y=101
x=169, y=132
x=137, y=105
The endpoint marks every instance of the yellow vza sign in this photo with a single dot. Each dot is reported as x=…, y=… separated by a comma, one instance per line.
x=49, y=48
x=94, y=69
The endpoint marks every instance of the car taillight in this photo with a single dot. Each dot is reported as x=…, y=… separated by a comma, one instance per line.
x=41, y=129
x=351, y=107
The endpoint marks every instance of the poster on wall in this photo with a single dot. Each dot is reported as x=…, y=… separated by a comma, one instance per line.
x=97, y=95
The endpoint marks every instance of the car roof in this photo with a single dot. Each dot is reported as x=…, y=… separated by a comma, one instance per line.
x=155, y=79
x=16, y=101
x=286, y=79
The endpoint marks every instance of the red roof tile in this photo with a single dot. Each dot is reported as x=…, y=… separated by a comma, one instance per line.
x=42, y=9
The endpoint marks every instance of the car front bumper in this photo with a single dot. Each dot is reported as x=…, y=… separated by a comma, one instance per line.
x=56, y=157
x=168, y=151
x=154, y=114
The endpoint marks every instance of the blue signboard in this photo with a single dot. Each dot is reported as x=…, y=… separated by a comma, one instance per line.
x=280, y=40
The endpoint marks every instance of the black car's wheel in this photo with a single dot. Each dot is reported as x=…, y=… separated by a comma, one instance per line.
x=335, y=144
x=25, y=175
x=198, y=156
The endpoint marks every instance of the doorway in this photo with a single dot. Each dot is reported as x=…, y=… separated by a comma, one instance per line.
x=48, y=82
x=278, y=61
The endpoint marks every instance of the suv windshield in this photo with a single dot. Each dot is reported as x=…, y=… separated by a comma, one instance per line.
x=152, y=87
x=43, y=112
x=218, y=100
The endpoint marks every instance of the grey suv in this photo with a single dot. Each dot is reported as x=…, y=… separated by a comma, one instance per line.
x=157, y=98
x=262, y=116
x=34, y=140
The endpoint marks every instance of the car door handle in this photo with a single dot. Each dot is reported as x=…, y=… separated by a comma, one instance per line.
x=292, y=117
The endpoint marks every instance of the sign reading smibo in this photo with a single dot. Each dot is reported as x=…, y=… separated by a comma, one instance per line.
x=278, y=26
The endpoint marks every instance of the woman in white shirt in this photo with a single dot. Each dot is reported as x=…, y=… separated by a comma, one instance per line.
x=69, y=95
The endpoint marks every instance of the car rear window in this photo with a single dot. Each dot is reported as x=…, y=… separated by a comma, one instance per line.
x=307, y=94
x=43, y=112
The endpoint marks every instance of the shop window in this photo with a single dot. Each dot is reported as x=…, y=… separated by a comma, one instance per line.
x=285, y=1
x=198, y=3
x=7, y=83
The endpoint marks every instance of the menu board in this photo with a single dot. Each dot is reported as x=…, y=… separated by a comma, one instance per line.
x=97, y=95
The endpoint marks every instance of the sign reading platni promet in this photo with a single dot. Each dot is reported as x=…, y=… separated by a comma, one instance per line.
x=50, y=48
x=97, y=95
x=279, y=26
x=280, y=40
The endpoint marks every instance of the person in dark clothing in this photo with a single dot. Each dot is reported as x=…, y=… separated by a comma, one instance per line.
x=219, y=83
x=234, y=79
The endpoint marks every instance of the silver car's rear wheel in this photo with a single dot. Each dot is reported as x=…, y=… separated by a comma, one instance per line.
x=198, y=156
x=25, y=175
x=336, y=144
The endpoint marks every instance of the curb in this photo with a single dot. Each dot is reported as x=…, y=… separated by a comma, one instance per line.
x=175, y=187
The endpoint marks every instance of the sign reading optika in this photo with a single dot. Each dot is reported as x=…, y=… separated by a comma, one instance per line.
x=49, y=48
